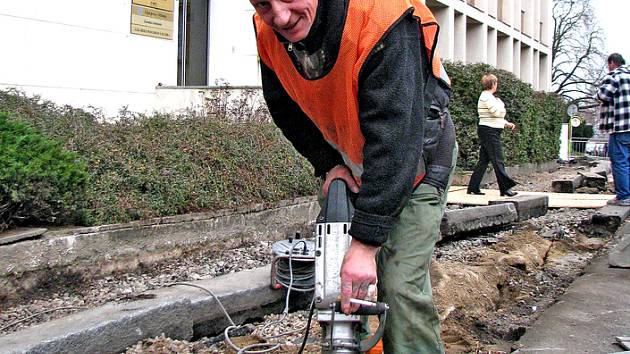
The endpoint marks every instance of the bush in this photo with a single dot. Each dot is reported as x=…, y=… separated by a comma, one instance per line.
x=583, y=131
x=39, y=180
x=537, y=115
x=144, y=166
x=149, y=166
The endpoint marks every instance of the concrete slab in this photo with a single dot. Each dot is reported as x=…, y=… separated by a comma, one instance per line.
x=19, y=234
x=610, y=216
x=179, y=312
x=586, y=319
x=471, y=219
x=594, y=180
x=527, y=206
x=567, y=185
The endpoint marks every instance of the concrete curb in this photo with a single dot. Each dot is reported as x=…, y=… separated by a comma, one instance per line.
x=459, y=221
x=610, y=216
x=524, y=169
x=527, y=206
x=179, y=312
x=102, y=250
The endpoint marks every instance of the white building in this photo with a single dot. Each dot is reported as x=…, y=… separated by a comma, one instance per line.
x=166, y=54
x=514, y=35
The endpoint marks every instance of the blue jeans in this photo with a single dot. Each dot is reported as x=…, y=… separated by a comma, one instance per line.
x=619, y=150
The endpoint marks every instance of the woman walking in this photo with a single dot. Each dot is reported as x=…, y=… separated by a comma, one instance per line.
x=491, y=123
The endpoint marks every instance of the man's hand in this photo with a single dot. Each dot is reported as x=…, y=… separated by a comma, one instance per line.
x=358, y=272
x=344, y=173
x=510, y=126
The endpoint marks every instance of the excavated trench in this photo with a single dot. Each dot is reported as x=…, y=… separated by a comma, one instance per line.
x=488, y=289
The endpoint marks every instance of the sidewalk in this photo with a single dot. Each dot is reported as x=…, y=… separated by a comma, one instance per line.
x=587, y=318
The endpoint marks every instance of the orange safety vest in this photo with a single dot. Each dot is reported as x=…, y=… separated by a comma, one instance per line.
x=331, y=101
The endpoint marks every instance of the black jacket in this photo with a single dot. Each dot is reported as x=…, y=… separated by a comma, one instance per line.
x=391, y=114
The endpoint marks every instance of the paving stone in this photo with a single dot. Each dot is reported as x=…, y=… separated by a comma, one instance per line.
x=527, y=206
x=470, y=219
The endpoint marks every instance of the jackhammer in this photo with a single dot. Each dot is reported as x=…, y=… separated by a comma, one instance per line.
x=341, y=333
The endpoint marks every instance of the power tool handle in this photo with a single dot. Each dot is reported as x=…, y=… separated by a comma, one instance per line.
x=378, y=309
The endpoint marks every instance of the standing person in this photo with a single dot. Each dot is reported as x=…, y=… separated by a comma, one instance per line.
x=615, y=118
x=355, y=87
x=491, y=123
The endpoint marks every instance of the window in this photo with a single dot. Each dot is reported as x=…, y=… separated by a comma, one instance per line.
x=192, y=56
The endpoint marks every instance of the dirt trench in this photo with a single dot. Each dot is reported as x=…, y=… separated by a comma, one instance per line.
x=487, y=293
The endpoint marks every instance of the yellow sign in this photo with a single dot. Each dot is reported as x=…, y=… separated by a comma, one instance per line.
x=166, y=5
x=151, y=32
x=151, y=22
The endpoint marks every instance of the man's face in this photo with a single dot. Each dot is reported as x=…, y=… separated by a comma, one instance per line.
x=291, y=18
x=612, y=66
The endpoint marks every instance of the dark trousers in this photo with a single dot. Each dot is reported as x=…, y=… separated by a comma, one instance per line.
x=490, y=151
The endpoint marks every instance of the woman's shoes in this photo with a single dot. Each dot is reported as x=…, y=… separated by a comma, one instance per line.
x=508, y=193
x=475, y=192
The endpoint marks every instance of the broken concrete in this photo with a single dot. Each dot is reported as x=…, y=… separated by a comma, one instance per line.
x=567, y=185
x=20, y=234
x=527, y=206
x=96, y=251
x=594, y=180
x=179, y=312
x=610, y=216
x=470, y=219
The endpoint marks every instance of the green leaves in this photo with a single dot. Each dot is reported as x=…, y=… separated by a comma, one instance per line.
x=39, y=180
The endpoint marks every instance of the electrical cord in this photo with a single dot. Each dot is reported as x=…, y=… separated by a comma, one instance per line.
x=308, y=326
x=249, y=349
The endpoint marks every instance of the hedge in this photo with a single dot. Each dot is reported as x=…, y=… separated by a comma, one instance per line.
x=149, y=166
x=144, y=166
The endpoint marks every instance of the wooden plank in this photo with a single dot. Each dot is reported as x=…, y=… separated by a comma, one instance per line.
x=457, y=195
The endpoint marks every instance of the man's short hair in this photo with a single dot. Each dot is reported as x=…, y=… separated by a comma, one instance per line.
x=488, y=81
x=617, y=59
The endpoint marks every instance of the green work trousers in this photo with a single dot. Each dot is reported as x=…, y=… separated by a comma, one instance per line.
x=413, y=324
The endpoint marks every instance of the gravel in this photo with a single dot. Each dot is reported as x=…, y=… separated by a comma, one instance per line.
x=121, y=287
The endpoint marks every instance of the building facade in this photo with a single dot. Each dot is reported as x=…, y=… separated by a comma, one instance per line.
x=514, y=35
x=168, y=54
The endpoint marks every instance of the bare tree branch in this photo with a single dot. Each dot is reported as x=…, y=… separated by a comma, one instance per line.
x=577, y=56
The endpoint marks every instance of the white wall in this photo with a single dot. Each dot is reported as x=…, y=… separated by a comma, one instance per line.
x=81, y=52
x=233, y=57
